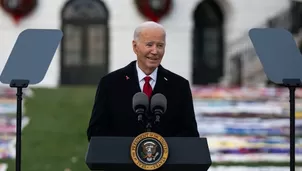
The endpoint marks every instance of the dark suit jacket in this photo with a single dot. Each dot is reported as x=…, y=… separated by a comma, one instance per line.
x=112, y=113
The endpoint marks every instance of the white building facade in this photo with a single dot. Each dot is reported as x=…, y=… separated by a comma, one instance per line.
x=120, y=17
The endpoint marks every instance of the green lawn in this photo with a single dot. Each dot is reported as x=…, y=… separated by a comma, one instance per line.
x=55, y=138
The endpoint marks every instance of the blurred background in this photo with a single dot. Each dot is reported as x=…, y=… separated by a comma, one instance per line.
x=244, y=116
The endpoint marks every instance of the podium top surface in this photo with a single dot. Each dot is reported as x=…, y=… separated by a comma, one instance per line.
x=31, y=55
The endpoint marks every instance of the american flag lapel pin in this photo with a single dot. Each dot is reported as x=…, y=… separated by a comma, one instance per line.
x=127, y=78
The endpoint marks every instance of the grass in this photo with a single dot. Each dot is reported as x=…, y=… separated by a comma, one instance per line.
x=55, y=138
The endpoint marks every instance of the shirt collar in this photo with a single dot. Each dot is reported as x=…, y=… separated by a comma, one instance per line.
x=141, y=75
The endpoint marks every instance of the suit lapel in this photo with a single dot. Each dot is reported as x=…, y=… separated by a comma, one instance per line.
x=161, y=81
x=131, y=78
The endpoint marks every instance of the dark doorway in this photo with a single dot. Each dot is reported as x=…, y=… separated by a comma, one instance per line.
x=207, y=43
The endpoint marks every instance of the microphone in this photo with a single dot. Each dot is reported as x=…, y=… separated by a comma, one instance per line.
x=158, y=106
x=140, y=103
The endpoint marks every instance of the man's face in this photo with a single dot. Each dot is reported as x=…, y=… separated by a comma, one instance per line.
x=150, y=48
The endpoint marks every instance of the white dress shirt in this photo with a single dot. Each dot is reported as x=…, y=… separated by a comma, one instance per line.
x=141, y=75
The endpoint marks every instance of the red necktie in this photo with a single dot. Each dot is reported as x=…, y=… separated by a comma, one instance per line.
x=147, y=87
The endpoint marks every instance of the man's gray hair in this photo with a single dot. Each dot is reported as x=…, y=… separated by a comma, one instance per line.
x=147, y=24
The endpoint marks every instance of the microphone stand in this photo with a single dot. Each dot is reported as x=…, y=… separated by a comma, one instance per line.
x=148, y=127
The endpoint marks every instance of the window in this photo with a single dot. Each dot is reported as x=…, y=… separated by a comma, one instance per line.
x=85, y=45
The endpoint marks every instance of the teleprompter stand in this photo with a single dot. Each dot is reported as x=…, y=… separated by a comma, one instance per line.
x=19, y=84
x=281, y=61
x=28, y=64
x=292, y=84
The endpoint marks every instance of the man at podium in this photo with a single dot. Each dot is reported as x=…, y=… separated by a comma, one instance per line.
x=113, y=114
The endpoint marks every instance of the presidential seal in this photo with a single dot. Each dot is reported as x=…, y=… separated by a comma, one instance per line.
x=149, y=151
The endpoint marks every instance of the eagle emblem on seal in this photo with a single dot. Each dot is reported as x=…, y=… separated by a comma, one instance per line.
x=149, y=151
